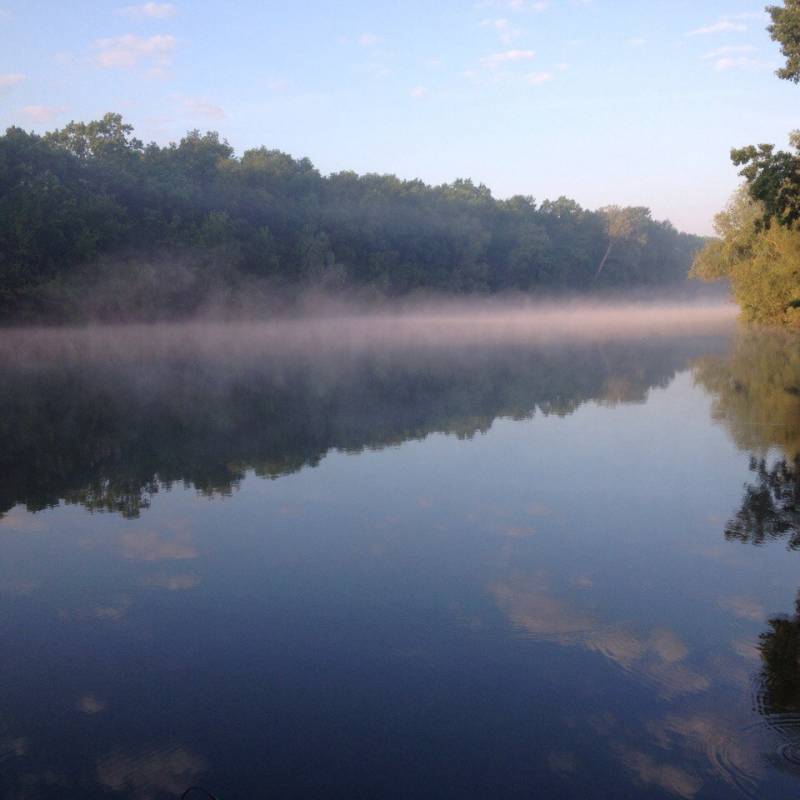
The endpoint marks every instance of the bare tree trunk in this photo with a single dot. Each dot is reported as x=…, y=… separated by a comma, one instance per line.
x=605, y=258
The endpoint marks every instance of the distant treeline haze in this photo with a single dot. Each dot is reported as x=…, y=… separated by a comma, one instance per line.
x=90, y=209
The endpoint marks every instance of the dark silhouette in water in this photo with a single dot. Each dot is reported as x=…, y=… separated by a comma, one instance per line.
x=779, y=647
x=770, y=506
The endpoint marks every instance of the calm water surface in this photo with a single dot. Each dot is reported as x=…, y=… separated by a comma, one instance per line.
x=338, y=563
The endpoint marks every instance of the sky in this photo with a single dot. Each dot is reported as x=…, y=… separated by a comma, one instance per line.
x=632, y=102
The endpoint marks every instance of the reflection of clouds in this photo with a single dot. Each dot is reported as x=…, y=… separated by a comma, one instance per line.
x=11, y=746
x=518, y=531
x=19, y=588
x=648, y=771
x=562, y=762
x=731, y=756
x=110, y=612
x=743, y=607
x=150, y=774
x=656, y=657
x=89, y=704
x=748, y=649
x=113, y=613
x=21, y=521
x=720, y=553
x=174, y=583
x=151, y=546
x=668, y=646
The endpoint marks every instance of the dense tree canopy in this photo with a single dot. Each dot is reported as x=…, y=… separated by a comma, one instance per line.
x=763, y=264
x=91, y=205
x=785, y=29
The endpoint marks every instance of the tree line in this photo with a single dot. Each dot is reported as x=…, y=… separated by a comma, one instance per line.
x=91, y=205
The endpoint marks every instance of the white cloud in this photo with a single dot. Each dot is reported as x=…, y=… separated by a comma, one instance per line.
x=724, y=25
x=538, y=78
x=418, y=92
x=637, y=41
x=128, y=50
x=498, y=24
x=199, y=107
x=369, y=39
x=536, y=6
x=722, y=64
x=9, y=80
x=503, y=28
x=733, y=49
x=152, y=10
x=506, y=57
x=42, y=113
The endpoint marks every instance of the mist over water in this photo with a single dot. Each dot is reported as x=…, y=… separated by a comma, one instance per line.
x=327, y=324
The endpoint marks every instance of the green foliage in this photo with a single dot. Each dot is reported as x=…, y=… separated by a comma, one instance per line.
x=762, y=264
x=773, y=179
x=785, y=29
x=90, y=192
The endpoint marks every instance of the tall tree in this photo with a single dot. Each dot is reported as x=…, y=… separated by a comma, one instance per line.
x=622, y=225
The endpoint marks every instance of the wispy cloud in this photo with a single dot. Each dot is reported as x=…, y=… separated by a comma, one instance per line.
x=731, y=23
x=369, y=39
x=507, y=57
x=637, y=41
x=536, y=6
x=722, y=64
x=42, y=113
x=9, y=80
x=418, y=92
x=152, y=10
x=538, y=78
x=731, y=49
x=731, y=57
x=124, y=52
x=200, y=107
x=503, y=28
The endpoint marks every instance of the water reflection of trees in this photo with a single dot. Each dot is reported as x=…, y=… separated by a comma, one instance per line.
x=779, y=646
x=756, y=396
x=770, y=507
x=756, y=390
x=108, y=432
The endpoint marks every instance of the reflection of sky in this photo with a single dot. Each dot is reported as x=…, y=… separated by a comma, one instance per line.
x=552, y=600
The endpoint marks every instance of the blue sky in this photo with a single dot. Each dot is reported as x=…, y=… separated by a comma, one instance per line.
x=607, y=101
